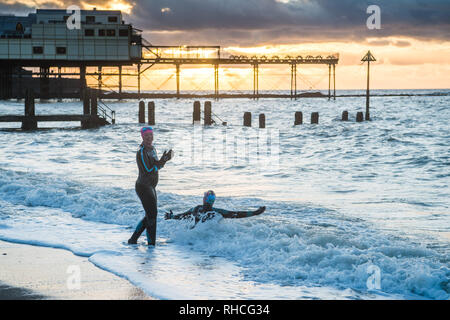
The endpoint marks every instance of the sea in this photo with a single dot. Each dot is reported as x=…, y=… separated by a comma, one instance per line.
x=353, y=210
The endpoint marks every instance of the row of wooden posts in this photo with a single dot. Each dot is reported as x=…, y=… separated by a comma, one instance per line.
x=151, y=112
x=208, y=120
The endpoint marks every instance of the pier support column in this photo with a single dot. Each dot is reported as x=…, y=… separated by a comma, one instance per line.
x=329, y=82
x=86, y=103
x=44, y=83
x=216, y=81
x=120, y=82
x=82, y=81
x=294, y=81
x=178, y=79
x=5, y=81
x=99, y=79
x=19, y=90
x=85, y=124
x=255, y=81
x=94, y=103
x=60, y=85
x=334, y=81
x=139, y=79
x=29, y=123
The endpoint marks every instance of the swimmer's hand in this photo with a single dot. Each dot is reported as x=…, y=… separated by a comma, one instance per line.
x=168, y=215
x=170, y=155
x=167, y=155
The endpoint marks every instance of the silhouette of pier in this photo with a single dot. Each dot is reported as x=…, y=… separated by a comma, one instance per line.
x=43, y=43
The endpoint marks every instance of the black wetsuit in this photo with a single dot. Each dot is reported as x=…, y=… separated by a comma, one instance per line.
x=149, y=166
x=207, y=212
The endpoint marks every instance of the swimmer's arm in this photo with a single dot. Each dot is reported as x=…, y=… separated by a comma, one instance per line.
x=180, y=216
x=227, y=214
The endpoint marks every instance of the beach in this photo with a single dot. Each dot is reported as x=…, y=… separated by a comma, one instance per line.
x=31, y=272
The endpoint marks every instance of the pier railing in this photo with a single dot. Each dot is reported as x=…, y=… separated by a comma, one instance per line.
x=106, y=112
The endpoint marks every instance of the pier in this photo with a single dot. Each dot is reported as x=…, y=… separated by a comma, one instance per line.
x=47, y=46
x=94, y=114
x=189, y=55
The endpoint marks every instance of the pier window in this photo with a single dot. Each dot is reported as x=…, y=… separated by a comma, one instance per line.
x=19, y=27
x=38, y=50
x=111, y=32
x=89, y=32
x=61, y=50
x=90, y=19
x=101, y=32
x=112, y=19
x=123, y=32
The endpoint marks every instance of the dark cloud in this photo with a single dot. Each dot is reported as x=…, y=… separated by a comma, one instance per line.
x=259, y=21
x=25, y=7
x=15, y=8
x=253, y=22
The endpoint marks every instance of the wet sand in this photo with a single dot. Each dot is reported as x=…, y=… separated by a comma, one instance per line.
x=32, y=272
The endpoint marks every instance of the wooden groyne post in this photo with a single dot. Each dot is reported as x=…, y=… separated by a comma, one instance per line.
x=207, y=113
x=247, y=119
x=345, y=116
x=151, y=113
x=359, y=117
x=141, y=115
x=298, y=118
x=262, y=120
x=196, y=112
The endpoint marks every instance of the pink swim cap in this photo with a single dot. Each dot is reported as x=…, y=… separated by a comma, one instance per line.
x=144, y=130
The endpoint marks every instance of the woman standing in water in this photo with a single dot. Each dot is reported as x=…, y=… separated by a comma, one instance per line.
x=149, y=166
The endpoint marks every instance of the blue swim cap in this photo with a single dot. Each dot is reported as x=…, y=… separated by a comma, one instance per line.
x=209, y=197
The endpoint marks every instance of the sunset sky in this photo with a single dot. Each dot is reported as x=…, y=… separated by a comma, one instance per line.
x=412, y=47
